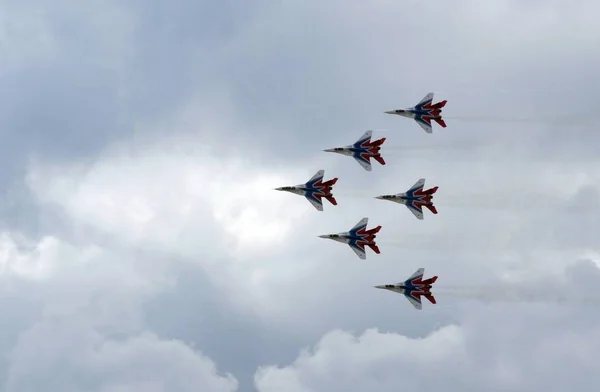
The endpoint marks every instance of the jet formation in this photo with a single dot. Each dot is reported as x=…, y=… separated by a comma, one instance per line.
x=358, y=238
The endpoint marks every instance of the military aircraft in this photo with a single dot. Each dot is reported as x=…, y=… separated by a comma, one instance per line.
x=413, y=288
x=414, y=198
x=363, y=150
x=357, y=238
x=314, y=190
x=424, y=112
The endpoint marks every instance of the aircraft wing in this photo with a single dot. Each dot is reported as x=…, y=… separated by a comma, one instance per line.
x=359, y=252
x=364, y=163
x=427, y=99
x=316, y=203
x=361, y=224
x=418, y=185
x=415, y=302
x=366, y=137
x=424, y=124
x=318, y=176
x=417, y=211
x=417, y=275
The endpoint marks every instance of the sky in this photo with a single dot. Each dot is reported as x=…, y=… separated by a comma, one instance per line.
x=143, y=248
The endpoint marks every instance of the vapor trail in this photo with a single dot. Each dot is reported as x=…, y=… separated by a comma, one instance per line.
x=491, y=202
x=572, y=119
x=436, y=147
x=451, y=243
x=495, y=294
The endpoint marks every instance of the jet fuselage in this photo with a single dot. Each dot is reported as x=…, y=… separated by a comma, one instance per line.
x=298, y=189
x=350, y=151
x=403, y=198
x=303, y=190
x=406, y=289
x=347, y=238
x=412, y=112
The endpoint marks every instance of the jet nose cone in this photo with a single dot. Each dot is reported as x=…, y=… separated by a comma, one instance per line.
x=379, y=197
x=323, y=236
x=379, y=287
x=329, y=150
x=390, y=112
x=277, y=189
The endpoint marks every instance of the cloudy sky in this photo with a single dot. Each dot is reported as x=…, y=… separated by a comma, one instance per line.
x=143, y=248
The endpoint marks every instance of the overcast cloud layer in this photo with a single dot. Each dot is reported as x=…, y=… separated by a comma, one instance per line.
x=142, y=247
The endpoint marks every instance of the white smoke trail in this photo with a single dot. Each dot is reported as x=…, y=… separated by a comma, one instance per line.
x=489, y=202
x=571, y=119
x=515, y=295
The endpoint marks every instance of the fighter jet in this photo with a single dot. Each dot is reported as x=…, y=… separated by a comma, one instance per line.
x=413, y=288
x=414, y=198
x=314, y=190
x=424, y=112
x=363, y=150
x=358, y=237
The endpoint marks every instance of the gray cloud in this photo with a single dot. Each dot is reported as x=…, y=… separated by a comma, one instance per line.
x=496, y=348
x=108, y=108
x=78, y=358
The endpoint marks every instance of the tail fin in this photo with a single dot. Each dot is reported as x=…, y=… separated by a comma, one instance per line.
x=379, y=159
x=430, y=297
x=374, y=247
x=431, y=191
x=440, y=121
x=439, y=105
x=378, y=142
x=374, y=230
x=375, y=151
x=429, y=281
x=330, y=182
x=431, y=208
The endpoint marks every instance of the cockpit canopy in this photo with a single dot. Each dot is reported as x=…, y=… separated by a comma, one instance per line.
x=287, y=188
x=389, y=286
x=338, y=149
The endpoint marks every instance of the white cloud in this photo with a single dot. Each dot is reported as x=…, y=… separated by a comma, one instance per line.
x=192, y=199
x=69, y=355
x=89, y=332
x=343, y=362
x=492, y=355
x=182, y=199
x=492, y=348
x=179, y=202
